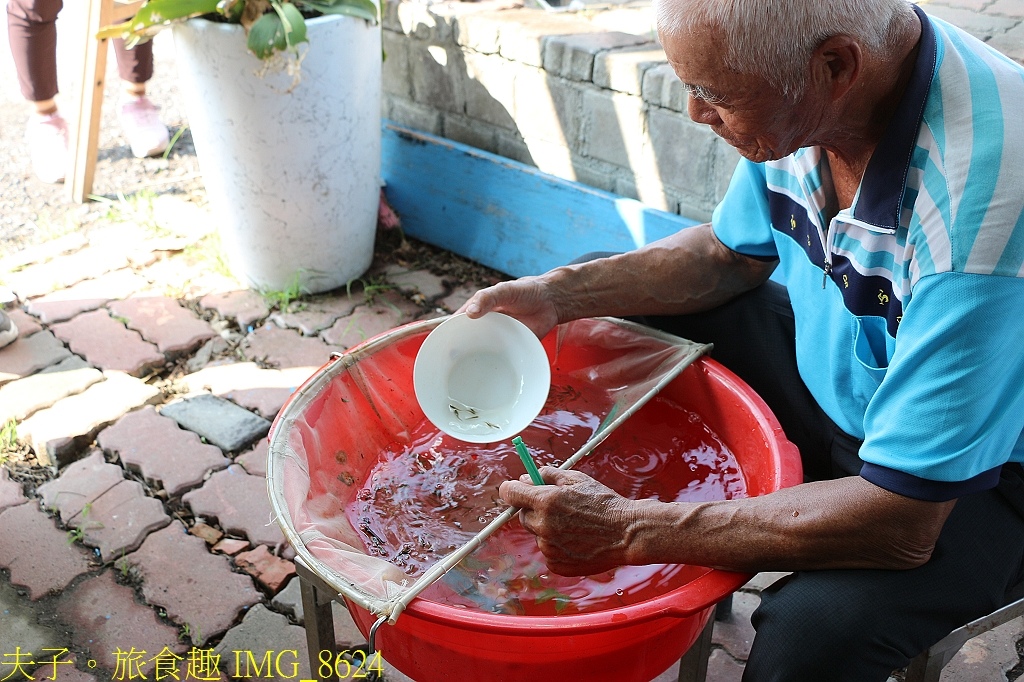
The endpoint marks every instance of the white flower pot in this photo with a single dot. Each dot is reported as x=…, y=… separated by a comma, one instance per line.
x=292, y=174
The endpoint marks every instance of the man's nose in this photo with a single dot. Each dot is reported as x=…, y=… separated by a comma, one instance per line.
x=702, y=112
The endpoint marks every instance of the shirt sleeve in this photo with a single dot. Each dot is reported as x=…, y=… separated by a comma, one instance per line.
x=950, y=410
x=742, y=221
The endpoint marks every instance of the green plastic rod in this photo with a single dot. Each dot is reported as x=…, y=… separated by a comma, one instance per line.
x=524, y=455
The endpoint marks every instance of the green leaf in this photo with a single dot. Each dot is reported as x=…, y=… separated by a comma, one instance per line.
x=361, y=9
x=294, y=24
x=155, y=14
x=267, y=35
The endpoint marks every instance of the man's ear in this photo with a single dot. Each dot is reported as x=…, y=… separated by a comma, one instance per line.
x=836, y=64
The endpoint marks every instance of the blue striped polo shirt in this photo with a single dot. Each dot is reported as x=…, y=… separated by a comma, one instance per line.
x=909, y=305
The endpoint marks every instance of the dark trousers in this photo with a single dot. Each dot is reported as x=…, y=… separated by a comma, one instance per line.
x=855, y=625
x=32, y=28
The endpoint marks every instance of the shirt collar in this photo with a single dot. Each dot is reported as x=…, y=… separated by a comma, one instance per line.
x=880, y=198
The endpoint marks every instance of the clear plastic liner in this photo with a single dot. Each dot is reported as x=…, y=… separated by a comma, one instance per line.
x=333, y=430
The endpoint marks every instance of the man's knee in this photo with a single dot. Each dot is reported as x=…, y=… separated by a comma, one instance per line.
x=807, y=631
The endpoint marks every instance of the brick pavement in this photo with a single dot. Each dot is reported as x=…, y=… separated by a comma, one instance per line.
x=98, y=557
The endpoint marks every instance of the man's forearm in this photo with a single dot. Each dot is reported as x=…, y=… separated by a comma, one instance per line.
x=687, y=272
x=844, y=523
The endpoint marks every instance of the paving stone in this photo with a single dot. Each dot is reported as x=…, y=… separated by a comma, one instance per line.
x=79, y=485
x=63, y=670
x=58, y=431
x=24, y=397
x=91, y=294
x=260, y=632
x=736, y=634
x=387, y=312
x=722, y=668
x=246, y=307
x=283, y=348
x=29, y=354
x=763, y=580
x=240, y=503
x=458, y=297
x=289, y=601
x=154, y=445
x=184, y=276
x=988, y=656
x=1010, y=43
x=219, y=421
x=316, y=315
x=1006, y=8
x=11, y=493
x=415, y=281
x=255, y=461
x=210, y=353
x=38, y=555
x=27, y=325
x=670, y=675
x=209, y=534
x=42, y=252
x=244, y=383
x=67, y=270
x=20, y=626
x=271, y=571
x=981, y=26
x=164, y=322
x=230, y=546
x=346, y=634
x=104, y=618
x=119, y=519
x=72, y=362
x=108, y=344
x=195, y=588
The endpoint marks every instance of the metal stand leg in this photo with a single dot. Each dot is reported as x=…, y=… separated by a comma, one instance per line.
x=316, y=609
x=693, y=666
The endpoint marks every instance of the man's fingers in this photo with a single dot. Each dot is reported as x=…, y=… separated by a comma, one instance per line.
x=518, y=493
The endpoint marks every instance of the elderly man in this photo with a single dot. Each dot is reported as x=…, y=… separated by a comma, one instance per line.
x=882, y=176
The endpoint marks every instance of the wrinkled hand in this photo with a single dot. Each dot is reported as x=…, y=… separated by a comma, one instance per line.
x=582, y=527
x=527, y=299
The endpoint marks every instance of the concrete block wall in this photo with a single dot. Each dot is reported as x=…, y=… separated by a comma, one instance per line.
x=556, y=91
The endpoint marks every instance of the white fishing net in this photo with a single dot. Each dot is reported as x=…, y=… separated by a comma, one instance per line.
x=328, y=443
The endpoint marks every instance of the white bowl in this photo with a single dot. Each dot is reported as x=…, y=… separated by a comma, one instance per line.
x=481, y=380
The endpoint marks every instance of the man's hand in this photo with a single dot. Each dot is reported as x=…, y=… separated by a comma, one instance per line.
x=582, y=527
x=528, y=299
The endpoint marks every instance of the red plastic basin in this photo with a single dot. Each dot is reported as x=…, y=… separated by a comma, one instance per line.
x=432, y=642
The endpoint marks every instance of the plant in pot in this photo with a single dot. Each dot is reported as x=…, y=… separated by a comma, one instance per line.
x=283, y=100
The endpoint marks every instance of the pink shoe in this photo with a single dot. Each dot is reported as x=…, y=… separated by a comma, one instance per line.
x=47, y=138
x=8, y=330
x=141, y=124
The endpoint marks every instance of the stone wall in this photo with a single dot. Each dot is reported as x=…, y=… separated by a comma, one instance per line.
x=557, y=91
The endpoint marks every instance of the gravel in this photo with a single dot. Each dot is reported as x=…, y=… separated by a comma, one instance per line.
x=32, y=211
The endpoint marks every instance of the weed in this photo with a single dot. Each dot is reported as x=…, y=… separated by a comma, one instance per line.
x=377, y=284
x=120, y=318
x=134, y=208
x=9, y=440
x=75, y=535
x=188, y=632
x=170, y=145
x=281, y=299
x=209, y=250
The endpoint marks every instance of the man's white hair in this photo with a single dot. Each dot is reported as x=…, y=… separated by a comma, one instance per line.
x=774, y=39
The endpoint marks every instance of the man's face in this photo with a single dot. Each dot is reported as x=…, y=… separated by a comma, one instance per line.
x=743, y=109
